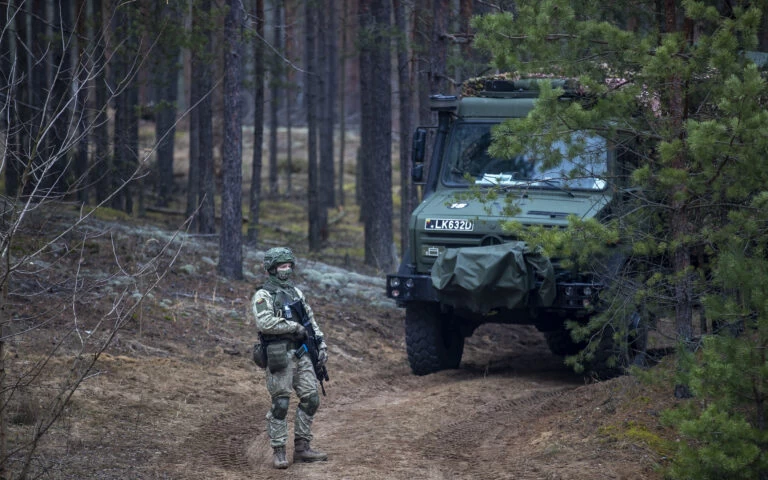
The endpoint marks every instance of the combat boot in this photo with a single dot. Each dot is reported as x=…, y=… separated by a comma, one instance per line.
x=302, y=452
x=279, y=460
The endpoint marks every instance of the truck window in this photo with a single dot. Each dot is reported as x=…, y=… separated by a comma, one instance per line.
x=467, y=155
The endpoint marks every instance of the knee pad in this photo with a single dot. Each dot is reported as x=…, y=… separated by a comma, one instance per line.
x=280, y=407
x=310, y=403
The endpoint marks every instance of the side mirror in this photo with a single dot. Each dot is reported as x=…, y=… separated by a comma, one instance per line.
x=417, y=174
x=419, y=147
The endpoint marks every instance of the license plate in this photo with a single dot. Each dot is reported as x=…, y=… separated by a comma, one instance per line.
x=449, y=224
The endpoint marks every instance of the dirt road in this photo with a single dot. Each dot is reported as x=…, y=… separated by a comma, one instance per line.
x=176, y=395
x=197, y=411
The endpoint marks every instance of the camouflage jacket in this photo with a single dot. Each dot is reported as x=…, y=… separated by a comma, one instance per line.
x=270, y=320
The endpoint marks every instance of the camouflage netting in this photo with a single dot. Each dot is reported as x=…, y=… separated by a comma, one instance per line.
x=471, y=86
x=484, y=278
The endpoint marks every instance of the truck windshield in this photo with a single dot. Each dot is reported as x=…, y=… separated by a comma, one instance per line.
x=467, y=156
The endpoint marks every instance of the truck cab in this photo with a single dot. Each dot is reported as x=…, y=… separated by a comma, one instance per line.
x=462, y=267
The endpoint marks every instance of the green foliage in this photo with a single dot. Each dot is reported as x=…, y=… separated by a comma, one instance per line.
x=198, y=37
x=692, y=112
x=718, y=445
x=639, y=433
x=726, y=428
x=576, y=247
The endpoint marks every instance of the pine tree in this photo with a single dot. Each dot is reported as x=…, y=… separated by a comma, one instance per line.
x=231, y=240
x=678, y=92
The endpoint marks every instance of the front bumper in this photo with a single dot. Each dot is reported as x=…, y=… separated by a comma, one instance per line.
x=404, y=288
x=411, y=288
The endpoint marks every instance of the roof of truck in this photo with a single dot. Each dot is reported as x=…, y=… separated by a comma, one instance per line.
x=484, y=107
x=499, y=96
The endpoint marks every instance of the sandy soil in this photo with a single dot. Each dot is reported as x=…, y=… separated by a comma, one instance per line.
x=197, y=411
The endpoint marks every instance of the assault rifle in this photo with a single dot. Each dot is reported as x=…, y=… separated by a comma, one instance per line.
x=313, y=341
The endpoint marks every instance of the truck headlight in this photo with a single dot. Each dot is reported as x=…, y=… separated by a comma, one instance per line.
x=409, y=283
x=394, y=282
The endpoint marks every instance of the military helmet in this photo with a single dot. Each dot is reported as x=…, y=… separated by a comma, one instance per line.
x=277, y=255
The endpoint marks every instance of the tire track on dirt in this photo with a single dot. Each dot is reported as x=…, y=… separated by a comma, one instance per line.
x=406, y=425
x=482, y=443
x=223, y=444
x=234, y=444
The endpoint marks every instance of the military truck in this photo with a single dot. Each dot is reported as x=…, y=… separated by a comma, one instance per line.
x=462, y=268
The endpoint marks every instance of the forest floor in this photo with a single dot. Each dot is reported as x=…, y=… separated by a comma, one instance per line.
x=176, y=396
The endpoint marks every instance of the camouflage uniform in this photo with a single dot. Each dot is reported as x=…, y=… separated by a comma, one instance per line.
x=299, y=375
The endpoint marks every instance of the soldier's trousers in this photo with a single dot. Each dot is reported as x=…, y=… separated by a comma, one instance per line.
x=298, y=376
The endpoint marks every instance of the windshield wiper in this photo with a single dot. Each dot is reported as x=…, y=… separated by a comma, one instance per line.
x=506, y=181
x=554, y=183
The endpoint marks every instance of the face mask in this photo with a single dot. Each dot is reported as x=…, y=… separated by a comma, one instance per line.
x=284, y=273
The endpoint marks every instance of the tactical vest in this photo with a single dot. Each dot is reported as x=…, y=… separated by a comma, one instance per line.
x=279, y=299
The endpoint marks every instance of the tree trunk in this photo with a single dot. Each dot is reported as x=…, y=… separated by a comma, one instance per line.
x=165, y=131
x=126, y=120
x=231, y=252
x=5, y=322
x=20, y=90
x=37, y=151
x=329, y=58
x=288, y=40
x=423, y=29
x=132, y=152
x=206, y=186
x=679, y=221
x=165, y=77
x=365, y=150
x=405, y=98
x=342, y=103
x=60, y=109
x=310, y=87
x=81, y=161
x=376, y=132
x=438, y=78
x=258, y=126
x=193, y=172
x=288, y=146
x=466, y=10
x=102, y=164
x=275, y=80
x=679, y=224
x=321, y=110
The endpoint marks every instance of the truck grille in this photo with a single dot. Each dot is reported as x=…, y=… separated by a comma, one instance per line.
x=456, y=240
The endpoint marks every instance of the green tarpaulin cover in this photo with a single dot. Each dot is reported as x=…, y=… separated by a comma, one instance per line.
x=484, y=278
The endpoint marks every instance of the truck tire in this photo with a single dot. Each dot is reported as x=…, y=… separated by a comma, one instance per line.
x=433, y=342
x=614, y=357
x=624, y=345
x=560, y=342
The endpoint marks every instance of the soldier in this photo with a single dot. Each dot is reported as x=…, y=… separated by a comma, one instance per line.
x=288, y=368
